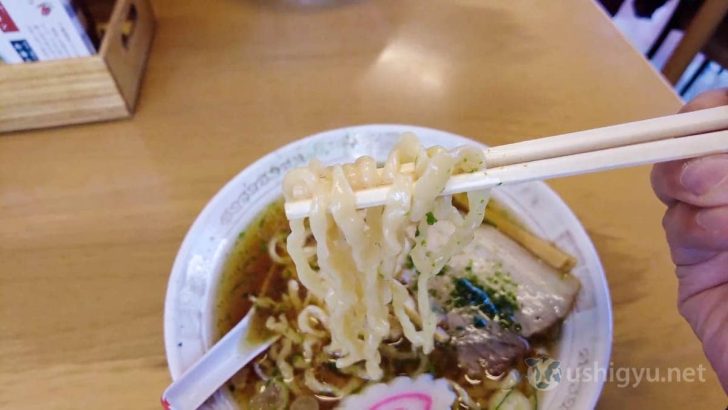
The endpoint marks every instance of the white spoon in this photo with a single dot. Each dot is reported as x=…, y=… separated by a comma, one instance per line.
x=218, y=365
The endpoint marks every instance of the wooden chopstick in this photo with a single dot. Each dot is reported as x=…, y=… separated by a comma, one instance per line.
x=654, y=129
x=588, y=159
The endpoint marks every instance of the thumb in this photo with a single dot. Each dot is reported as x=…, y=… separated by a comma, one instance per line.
x=708, y=99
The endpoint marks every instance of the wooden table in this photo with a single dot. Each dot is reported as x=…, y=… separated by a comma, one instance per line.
x=91, y=216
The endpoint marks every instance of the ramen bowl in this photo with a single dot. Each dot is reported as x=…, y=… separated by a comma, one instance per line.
x=189, y=323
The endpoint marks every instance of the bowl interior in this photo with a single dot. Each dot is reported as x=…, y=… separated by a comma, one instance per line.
x=191, y=294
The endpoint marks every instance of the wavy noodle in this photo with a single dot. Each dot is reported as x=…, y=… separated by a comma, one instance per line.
x=463, y=396
x=281, y=326
x=273, y=249
x=280, y=357
x=352, y=278
x=422, y=366
x=394, y=353
x=313, y=383
x=309, y=341
x=293, y=295
x=259, y=371
x=310, y=314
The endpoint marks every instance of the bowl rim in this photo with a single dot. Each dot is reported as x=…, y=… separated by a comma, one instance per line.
x=181, y=258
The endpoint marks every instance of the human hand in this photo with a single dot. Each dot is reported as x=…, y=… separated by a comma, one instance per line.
x=696, y=224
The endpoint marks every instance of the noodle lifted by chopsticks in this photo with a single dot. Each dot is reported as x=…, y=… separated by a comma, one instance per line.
x=360, y=254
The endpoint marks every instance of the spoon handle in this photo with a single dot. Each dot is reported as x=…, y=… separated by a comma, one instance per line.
x=218, y=365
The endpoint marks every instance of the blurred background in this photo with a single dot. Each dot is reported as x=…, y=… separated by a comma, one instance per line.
x=657, y=27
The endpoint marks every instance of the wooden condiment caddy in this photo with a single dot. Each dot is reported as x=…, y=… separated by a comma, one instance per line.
x=101, y=87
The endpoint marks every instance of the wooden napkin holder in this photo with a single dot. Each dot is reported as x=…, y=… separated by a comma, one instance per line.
x=101, y=87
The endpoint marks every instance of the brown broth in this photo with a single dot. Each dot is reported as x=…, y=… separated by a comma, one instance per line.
x=247, y=268
x=244, y=275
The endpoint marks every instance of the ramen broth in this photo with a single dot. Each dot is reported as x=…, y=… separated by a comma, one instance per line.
x=249, y=271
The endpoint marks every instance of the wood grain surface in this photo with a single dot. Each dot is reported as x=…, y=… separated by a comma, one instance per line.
x=91, y=216
x=56, y=92
x=101, y=87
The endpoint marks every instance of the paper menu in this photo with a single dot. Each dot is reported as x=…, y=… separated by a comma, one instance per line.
x=41, y=30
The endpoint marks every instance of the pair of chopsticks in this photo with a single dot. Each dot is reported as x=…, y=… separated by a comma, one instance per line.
x=650, y=141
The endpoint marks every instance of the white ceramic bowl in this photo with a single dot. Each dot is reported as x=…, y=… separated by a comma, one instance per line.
x=188, y=322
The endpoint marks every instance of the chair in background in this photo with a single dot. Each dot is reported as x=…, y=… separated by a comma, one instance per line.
x=611, y=6
x=716, y=50
x=682, y=16
x=706, y=30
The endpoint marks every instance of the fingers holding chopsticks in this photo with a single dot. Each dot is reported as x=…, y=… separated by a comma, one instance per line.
x=698, y=181
x=696, y=192
x=708, y=99
x=695, y=234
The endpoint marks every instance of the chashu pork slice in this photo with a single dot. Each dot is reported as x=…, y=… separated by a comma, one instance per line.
x=544, y=295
